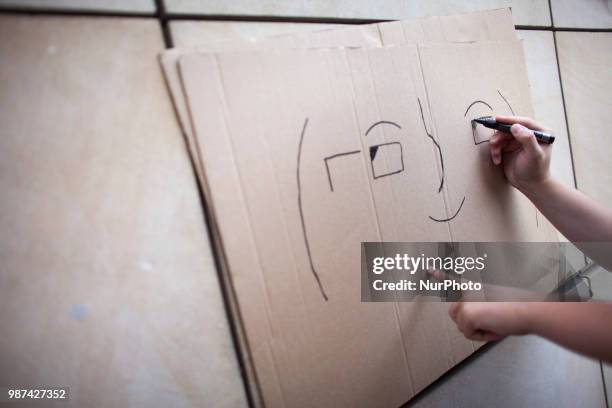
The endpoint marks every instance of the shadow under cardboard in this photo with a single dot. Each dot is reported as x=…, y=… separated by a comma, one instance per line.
x=433, y=395
x=501, y=378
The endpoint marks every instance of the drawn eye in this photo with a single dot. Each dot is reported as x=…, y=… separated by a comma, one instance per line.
x=474, y=110
x=386, y=159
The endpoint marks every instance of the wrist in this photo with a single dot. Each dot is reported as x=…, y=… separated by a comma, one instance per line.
x=527, y=314
x=536, y=189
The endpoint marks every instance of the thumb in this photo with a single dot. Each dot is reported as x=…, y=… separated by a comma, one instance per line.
x=525, y=137
x=453, y=311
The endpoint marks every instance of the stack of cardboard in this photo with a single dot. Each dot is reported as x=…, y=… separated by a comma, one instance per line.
x=308, y=144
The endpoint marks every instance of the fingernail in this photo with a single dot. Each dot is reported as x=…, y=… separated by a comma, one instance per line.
x=516, y=129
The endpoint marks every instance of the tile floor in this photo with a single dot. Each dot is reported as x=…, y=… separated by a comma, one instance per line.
x=570, y=80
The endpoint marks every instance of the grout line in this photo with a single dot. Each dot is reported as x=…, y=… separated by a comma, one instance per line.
x=223, y=285
x=75, y=13
x=233, y=323
x=563, y=29
x=603, y=380
x=532, y=28
x=166, y=17
x=272, y=19
x=567, y=128
x=569, y=142
x=550, y=12
x=583, y=30
x=552, y=19
x=163, y=23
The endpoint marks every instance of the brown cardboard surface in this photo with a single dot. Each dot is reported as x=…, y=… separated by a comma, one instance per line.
x=286, y=138
x=468, y=27
x=193, y=33
x=301, y=360
x=107, y=284
x=479, y=85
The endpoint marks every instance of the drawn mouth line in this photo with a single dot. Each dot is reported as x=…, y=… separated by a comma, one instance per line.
x=450, y=218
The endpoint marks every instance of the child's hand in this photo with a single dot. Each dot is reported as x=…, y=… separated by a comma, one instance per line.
x=526, y=162
x=490, y=321
x=583, y=327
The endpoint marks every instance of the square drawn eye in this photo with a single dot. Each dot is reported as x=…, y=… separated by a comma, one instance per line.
x=481, y=134
x=386, y=159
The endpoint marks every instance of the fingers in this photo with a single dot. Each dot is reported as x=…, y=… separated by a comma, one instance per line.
x=497, y=143
x=467, y=323
x=437, y=274
x=526, y=138
x=521, y=120
x=443, y=275
x=454, y=310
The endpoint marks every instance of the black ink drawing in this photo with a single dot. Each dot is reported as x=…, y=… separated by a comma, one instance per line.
x=441, y=165
x=479, y=102
x=301, y=210
x=382, y=122
x=435, y=144
x=477, y=142
x=476, y=103
x=375, y=148
x=451, y=217
x=334, y=156
x=373, y=153
x=505, y=100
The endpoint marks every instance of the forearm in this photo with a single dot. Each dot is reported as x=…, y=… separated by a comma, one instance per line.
x=577, y=216
x=583, y=327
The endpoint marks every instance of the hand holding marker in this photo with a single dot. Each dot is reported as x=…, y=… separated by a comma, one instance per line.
x=491, y=123
x=525, y=156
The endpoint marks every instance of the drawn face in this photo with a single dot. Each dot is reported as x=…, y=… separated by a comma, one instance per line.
x=387, y=159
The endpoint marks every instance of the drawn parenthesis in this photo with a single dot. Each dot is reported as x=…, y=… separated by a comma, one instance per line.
x=435, y=143
x=301, y=211
x=506, y=100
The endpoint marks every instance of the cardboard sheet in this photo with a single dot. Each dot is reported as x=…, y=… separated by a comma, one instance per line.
x=469, y=27
x=309, y=152
x=478, y=85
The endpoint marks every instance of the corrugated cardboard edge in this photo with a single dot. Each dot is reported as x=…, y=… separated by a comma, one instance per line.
x=237, y=327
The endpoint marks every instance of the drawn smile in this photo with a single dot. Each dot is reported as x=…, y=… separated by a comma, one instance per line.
x=449, y=218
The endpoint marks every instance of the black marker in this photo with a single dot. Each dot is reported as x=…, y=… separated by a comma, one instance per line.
x=491, y=123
